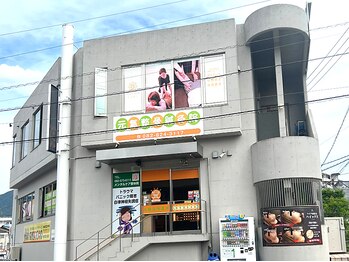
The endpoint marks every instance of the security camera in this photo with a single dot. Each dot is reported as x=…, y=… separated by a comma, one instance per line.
x=222, y=155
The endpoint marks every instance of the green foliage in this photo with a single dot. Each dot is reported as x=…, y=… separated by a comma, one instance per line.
x=336, y=205
x=6, y=204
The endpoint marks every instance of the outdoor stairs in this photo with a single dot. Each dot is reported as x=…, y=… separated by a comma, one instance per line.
x=129, y=247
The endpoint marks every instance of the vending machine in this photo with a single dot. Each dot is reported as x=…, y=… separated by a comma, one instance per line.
x=237, y=238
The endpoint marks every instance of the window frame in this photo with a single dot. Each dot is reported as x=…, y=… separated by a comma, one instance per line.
x=144, y=88
x=35, y=139
x=21, y=217
x=14, y=150
x=25, y=139
x=46, y=198
x=101, y=91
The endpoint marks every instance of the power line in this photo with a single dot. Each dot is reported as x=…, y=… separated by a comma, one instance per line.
x=180, y=121
x=229, y=100
x=335, y=165
x=138, y=29
x=339, y=130
x=91, y=18
x=146, y=88
x=327, y=55
x=329, y=69
x=189, y=55
x=336, y=160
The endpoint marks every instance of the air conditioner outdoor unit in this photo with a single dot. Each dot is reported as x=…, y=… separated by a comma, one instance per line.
x=15, y=253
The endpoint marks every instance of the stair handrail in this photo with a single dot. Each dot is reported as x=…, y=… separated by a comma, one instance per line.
x=138, y=223
x=97, y=233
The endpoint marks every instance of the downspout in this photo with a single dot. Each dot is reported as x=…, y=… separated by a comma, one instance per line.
x=61, y=219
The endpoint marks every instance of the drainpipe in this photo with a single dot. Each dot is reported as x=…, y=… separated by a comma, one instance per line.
x=61, y=219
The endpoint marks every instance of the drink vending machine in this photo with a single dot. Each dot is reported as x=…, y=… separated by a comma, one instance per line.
x=237, y=238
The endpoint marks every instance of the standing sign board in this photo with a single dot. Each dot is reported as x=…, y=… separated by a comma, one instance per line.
x=125, y=204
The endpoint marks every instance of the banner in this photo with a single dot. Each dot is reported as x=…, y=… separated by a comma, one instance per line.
x=126, y=202
x=37, y=232
x=158, y=125
x=291, y=226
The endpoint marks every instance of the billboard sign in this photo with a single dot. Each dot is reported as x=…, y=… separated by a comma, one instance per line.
x=291, y=226
x=158, y=125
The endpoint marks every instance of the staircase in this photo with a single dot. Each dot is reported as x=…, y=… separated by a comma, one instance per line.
x=129, y=247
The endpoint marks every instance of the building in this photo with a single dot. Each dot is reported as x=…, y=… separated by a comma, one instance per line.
x=5, y=225
x=237, y=138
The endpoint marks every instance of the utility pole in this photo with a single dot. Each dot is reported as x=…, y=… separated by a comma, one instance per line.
x=61, y=219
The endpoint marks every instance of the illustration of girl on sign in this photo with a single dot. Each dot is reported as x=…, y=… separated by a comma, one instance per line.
x=125, y=219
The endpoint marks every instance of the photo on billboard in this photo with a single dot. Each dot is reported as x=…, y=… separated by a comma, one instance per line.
x=187, y=83
x=290, y=226
x=159, y=83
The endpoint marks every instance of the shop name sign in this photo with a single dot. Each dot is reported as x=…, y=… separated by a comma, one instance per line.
x=158, y=125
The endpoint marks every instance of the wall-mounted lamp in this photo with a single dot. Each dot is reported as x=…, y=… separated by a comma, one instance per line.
x=117, y=144
x=98, y=164
x=222, y=155
x=194, y=138
x=155, y=141
x=215, y=154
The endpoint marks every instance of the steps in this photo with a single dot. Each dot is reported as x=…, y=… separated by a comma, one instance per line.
x=111, y=252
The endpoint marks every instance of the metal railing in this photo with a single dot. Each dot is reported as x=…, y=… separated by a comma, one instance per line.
x=104, y=239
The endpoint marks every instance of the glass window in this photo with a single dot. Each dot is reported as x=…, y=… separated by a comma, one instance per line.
x=48, y=200
x=37, y=127
x=53, y=111
x=101, y=91
x=25, y=208
x=175, y=84
x=14, y=150
x=133, y=81
x=215, y=91
x=25, y=140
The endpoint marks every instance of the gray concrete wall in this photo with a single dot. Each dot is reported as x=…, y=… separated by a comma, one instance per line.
x=286, y=157
x=33, y=251
x=275, y=16
x=32, y=165
x=160, y=45
x=171, y=251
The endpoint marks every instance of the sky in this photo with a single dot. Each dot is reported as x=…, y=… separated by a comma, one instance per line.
x=31, y=35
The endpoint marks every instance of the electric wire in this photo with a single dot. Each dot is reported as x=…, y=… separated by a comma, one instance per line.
x=339, y=130
x=134, y=30
x=146, y=88
x=89, y=19
x=179, y=57
x=327, y=54
x=19, y=123
x=329, y=69
x=106, y=131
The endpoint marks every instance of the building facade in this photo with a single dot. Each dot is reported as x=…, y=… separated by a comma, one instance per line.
x=158, y=156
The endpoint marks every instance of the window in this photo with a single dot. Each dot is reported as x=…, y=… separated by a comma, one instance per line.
x=14, y=150
x=25, y=140
x=53, y=119
x=100, y=92
x=48, y=200
x=175, y=84
x=133, y=81
x=25, y=208
x=37, y=127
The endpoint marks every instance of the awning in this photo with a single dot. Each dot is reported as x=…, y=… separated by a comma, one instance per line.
x=153, y=152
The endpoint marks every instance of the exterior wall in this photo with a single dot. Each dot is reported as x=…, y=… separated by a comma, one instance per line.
x=33, y=251
x=173, y=251
x=161, y=45
x=37, y=159
x=286, y=157
x=275, y=16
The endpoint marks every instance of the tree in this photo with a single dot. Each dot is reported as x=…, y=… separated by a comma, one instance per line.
x=336, y=205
